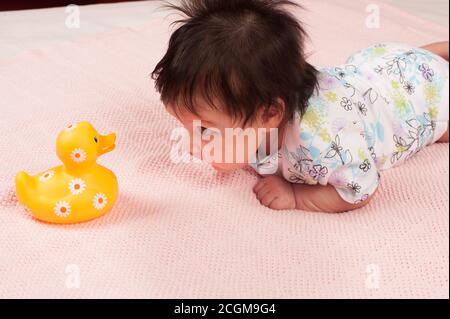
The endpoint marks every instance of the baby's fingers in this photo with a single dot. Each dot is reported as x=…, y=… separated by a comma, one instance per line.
x=259, y=185
x=278, y=204
x=268, y=199
x=263, y=191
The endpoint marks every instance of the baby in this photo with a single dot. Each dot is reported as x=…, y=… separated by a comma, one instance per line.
x=241, y=64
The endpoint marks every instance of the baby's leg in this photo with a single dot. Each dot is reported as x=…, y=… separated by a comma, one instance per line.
x=444, y=138
x=441, y=49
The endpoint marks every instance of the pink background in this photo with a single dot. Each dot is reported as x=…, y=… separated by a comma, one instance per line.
x=185, y=231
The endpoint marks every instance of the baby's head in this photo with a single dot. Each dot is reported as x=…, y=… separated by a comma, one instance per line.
x=235, y=64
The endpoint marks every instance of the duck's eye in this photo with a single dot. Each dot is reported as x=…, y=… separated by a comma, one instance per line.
x=95, y=139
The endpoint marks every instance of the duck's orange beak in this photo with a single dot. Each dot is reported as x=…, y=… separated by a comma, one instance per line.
x=106, y=143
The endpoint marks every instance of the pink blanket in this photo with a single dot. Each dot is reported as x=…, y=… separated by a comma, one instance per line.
x=184, y=231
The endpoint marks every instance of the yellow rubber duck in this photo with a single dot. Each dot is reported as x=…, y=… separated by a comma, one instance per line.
x=79, y=190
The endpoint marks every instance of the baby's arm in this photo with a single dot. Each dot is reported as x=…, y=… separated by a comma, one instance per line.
x=322, y=199
x=277, y=193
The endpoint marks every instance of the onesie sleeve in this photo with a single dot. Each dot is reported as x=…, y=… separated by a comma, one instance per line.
x=351, y=167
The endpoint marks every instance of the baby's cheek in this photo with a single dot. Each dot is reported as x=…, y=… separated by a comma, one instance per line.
x=226, y=149
x=238, y=151
x=242, y=149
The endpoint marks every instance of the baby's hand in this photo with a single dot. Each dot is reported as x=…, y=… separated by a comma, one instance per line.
x=275, y=192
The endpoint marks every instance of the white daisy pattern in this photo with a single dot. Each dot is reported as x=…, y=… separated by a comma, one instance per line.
x=62, y=209
x=99, y=201
x=70, y=127
x=77, y=186
x=78, y=155
x=46, y=176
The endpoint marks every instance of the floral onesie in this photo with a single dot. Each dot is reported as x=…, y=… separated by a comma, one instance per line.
x=382, y=106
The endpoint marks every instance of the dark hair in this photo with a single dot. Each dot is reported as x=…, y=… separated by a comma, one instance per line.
x=243, y=53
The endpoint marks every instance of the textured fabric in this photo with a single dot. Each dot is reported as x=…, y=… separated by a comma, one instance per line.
x=183, y=230
x=385, y=104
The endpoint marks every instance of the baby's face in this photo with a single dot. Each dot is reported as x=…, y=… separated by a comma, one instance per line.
x=216, y=138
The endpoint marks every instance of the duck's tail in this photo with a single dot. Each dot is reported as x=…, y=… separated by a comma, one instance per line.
x=25, y=186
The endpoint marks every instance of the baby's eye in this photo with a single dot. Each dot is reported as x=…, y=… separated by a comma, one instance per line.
x=207, y=132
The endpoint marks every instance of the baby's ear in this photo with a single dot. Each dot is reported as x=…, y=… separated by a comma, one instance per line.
x=273, y=114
